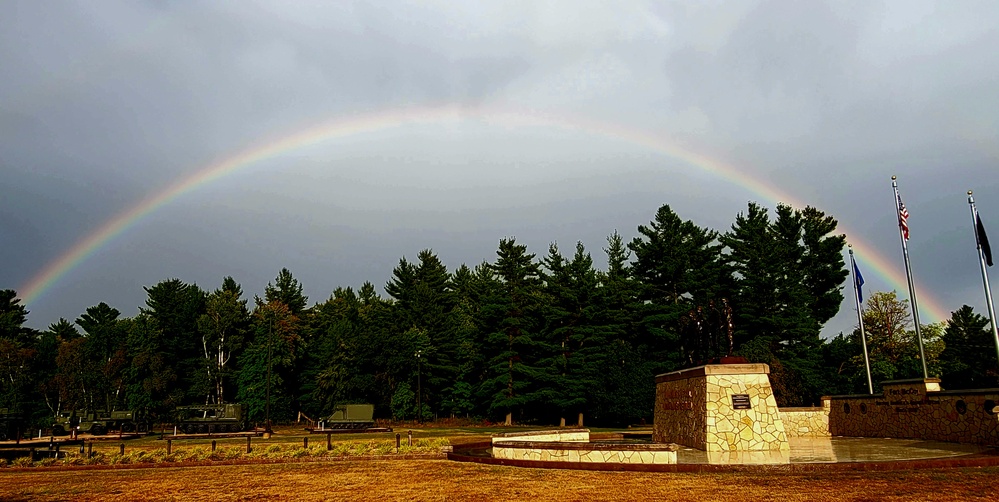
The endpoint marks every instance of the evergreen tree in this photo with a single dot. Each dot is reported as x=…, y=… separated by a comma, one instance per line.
x=13, y=315
x=679, y=267
x=106, y=357
x=354, y=356
x=823, y=264
x=968, y=360
x=17, y=354
x=176, y=307
x=753, y=259
x=423, y=303
x=627, y=392
x=788, y=273
x=513, y=376
x=334, y=359
x=842, y=357
x=288, y=291
x=63, y=330
x=151, y=376
x=572, y=328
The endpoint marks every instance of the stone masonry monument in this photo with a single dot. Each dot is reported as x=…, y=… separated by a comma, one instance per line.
x=719, y=408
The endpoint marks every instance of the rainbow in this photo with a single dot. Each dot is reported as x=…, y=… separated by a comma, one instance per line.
x=342, y=127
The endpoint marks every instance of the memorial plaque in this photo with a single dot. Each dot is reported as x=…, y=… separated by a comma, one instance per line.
x=741, y=402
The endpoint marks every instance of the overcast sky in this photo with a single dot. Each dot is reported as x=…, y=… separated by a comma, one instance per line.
x=104, y=104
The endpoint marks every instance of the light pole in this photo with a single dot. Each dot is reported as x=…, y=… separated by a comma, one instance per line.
x=419, y=390
x=267, y=406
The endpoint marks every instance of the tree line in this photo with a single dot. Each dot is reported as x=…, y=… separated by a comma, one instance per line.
x=516, y=339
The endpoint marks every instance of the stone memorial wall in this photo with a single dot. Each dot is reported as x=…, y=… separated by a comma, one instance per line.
x=918, y=409
x=806, y=422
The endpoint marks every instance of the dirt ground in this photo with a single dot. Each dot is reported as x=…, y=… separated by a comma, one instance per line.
x=447, y=480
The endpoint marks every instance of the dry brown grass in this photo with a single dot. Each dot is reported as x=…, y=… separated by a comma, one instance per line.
x=445, y=480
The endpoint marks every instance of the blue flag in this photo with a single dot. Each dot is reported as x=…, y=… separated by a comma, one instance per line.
x=859, y=281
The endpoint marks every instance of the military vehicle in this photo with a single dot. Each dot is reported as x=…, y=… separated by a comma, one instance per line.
x=207, y=418
x=102, y=422
x=11, y=424
x=351, y=416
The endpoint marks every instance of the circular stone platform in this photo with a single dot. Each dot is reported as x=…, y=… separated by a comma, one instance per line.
x=806, y=454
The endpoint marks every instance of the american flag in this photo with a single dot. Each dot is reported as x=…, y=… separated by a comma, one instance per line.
x=903, y=216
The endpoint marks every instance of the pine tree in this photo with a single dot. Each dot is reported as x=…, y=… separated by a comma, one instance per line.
x=968, y=360
x=627, y=391
x=787, y=278
x=753, y=259
x=176, y=307
x=288, y=291
x=679, y=267
x=105, y=353
x=513, y=345
x=151, y=376
x=459, y=335
x=17, y=354
x=572, y=329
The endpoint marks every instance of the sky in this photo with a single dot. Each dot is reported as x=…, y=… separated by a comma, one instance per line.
x=144, y=141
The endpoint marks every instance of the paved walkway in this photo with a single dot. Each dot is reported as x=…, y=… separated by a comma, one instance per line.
x=836, y=449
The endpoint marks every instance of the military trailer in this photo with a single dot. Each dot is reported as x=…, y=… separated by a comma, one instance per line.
x=211, y=418
x=351, y=416
x=128, y=421
x=11, y=424
x=101, y=422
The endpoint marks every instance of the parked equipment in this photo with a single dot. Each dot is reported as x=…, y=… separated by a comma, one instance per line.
x=101, y=422
x=351, y=416
x=211, y=418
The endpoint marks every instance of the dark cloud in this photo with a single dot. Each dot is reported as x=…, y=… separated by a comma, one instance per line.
x=103, y=105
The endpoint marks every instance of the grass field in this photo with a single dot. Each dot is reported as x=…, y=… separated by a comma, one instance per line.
x=444, y=480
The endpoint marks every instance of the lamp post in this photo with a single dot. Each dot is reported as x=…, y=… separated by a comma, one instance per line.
x=267, y=406
x=419, y=390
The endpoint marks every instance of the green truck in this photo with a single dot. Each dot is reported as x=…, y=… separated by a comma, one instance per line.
x=211, y=418
x=351, y=416
x=101, y=422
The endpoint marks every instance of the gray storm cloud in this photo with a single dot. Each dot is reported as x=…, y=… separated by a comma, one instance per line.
x=105, y=103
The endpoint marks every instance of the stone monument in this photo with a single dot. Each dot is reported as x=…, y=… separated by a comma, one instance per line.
x=724, y=404
x=719, y=408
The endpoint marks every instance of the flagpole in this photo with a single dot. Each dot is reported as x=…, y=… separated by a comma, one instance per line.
x=908, y=276
x=985, y=275
x=860, y=320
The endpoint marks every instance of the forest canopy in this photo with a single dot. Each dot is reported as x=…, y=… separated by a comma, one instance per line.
x=521, y=338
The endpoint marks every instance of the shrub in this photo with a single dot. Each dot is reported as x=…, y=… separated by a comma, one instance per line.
x=118, y=459
x=227, y=453
x=23, y=462
x=75, y=459
x=99, y=458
